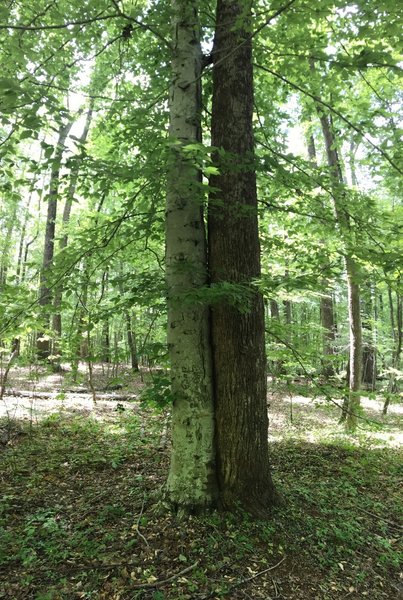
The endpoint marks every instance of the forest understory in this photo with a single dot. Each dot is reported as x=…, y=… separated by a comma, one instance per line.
x=81, y=515
x=211, y=189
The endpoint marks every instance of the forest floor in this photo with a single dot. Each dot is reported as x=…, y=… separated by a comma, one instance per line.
x=80, y=517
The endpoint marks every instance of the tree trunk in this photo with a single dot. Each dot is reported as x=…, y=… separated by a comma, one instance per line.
x=276, y=367
x=353, y=289
x=80, y=322
x=354, y=317
x=191, y=484
x=131, y=342
x=274, y=310
x=105, y=342
x=369, y=346
x=287, y=312
x=234, y=254
x=6, y=245
x=329, y=332
x=43, y=344
x=393, y=387
x=326, y=301
x=57, y=317
x=21, y=244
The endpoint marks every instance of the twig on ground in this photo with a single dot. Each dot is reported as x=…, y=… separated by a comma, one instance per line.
x=247, y=579
x=160, y=582
x=242, y=581
x=138, y=523
x=275, y=588
x=391, y=523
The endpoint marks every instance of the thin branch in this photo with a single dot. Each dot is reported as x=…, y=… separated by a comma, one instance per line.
x=4, y=377
x=391, y=523
x=148, y=334
x=287, y=159
x=251, y=36
x=98, y=53
x=60, y=26
x=157, y=258
x=208, y=60
x=333, y=110
x=298, y=357
x=247, y=579
x=138, y=523
x=74, y=91
x=139, y=586
x=43, y=13
x=141, y=24
x=325, y=59
x=291, y=210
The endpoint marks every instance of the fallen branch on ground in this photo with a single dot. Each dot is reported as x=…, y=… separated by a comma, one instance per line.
x=391, y=523
x=246, y=580
x=60, y=395
x=160, y=582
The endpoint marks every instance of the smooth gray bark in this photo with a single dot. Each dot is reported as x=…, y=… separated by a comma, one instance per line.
x=191, y=484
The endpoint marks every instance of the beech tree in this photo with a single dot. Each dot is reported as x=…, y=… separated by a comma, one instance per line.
x=192, y=478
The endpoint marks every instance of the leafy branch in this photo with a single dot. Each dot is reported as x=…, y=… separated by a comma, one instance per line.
x=334, y=111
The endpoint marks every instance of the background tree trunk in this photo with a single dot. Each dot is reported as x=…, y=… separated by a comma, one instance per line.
x=353, y=289
x=57, y=317
x=274, y=310
x=326, y=301
x=131, y=342
x=369, y=346
x=234, y=256
x=43, y=344
x=393, y=387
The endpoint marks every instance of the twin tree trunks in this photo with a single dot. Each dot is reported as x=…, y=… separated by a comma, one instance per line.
x=218, y=365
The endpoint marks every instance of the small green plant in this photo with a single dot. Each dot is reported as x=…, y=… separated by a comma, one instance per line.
x=158, y=394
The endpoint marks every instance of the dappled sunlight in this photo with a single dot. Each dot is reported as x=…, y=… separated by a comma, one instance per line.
x=35, y=394
x=316, y=420
x=36, y=409
x=96, y=472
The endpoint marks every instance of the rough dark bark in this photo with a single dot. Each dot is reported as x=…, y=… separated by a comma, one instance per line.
x=131, y=342
x=234, y=256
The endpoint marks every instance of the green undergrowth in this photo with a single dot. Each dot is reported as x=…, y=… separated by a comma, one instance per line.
x=79, y=518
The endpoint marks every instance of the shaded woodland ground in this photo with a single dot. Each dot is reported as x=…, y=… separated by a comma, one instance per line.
x=80, y=517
